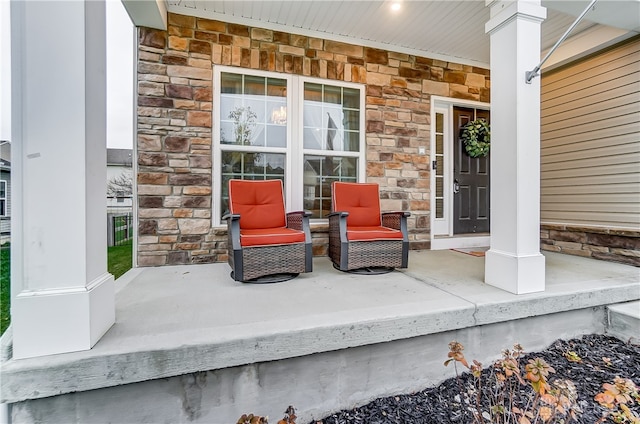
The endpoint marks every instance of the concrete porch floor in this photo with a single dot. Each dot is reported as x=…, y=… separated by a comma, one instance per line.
x=177, y=320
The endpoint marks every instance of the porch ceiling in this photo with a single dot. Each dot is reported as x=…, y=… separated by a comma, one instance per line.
x=447, y=30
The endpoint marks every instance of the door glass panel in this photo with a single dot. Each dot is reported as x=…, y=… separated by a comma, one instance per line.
x=439, y=144
x=439, y=171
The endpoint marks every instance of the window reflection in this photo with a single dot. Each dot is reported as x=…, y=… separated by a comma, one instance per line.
x=251, y=110
x=319, y=173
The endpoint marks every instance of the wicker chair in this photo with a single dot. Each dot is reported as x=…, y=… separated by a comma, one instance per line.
x=265, y=244
x=361, y=239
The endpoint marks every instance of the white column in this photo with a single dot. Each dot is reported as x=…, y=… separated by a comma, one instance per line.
x=514, y=262
x=62, y=294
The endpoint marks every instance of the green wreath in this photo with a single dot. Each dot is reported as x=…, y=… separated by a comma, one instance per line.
x=476, y=138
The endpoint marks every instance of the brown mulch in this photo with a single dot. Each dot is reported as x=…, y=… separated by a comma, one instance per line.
x=443, y=404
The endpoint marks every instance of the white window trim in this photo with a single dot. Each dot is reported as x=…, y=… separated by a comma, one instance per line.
x=294, y=151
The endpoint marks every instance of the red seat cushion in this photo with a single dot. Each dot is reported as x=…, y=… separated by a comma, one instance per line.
x=361, y=200
x=269, y=236
x=259, y=203
x=372, y=233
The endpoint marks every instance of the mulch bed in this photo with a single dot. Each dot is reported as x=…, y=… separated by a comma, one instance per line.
x=443, y=404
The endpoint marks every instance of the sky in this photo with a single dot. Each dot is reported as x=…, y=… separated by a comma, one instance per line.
x=120, y=83
x=120, y=68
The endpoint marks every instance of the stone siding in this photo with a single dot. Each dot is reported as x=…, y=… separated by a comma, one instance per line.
x=175, y=93
x=598, y=243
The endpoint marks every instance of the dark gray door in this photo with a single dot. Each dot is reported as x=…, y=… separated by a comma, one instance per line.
x=471, y=180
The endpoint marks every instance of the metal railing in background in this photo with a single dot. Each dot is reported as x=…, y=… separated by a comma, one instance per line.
x=119, y=229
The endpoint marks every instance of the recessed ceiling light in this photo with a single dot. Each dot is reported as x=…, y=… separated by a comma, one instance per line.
x=395, y=6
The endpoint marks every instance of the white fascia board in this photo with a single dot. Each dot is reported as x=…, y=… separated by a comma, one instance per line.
x=147, y=13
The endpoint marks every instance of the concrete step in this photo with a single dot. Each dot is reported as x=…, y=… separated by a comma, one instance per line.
x=624, y=321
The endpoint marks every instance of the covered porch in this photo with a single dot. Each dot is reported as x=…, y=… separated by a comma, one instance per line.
x=191, y=345
x=185, y=343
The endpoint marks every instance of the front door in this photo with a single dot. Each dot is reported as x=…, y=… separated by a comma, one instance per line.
x=470, y=179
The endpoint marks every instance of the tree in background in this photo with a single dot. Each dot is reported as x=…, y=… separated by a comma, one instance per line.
x=120, y=185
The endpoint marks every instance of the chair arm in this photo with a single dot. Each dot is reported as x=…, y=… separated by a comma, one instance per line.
x=232, y=216
x=396, y=220
x=299, y=220
x=233, y=229
x=338, y=225
x=339, y=214
x=296, y=220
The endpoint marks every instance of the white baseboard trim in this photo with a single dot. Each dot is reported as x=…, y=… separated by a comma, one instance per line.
x=47, y=322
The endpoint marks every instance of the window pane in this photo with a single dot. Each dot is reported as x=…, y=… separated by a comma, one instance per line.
x=227, y=135
x=240, y=126
x=312, y=138
x=255, y=103
x=439, y=208
x=313, y=114
x=439, y=123
x=333, y=125
x=249, y=166
x=313, y=92
x=319, y=173
x=277, y=87
x=230, y=83
x=439, y=187
x=276, y=135
x=351, y=98
x=227, y=105
x=332, y=94
x=439, y=144
x=257, y=106
x=276, y=112
x=254, y=85
x=351, y=141
x=352, y=120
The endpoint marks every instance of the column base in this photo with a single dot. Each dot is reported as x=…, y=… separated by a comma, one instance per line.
x=515, y=274
x=48, y=322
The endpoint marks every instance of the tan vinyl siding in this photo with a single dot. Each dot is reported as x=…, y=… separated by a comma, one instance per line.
x=590, y=141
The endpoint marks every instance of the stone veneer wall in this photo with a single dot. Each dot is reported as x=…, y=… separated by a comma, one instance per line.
x=599, y=243
x=175, y=93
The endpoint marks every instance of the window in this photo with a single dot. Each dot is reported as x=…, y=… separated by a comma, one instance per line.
x=3, y=198
x=306, y=132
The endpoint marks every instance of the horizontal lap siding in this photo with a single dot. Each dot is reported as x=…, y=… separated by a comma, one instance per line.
x=590, y=141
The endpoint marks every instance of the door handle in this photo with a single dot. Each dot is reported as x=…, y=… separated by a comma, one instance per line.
x=456, y=187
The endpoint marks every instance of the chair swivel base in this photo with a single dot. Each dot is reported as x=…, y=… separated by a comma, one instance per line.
x=268, y=279
x=368, y=270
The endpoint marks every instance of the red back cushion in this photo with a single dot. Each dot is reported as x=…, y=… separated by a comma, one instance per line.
x=259, y=203
x=361, y=200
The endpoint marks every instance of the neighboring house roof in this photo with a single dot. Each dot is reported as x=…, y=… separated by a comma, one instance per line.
x=119, y=157
x=5, y=165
